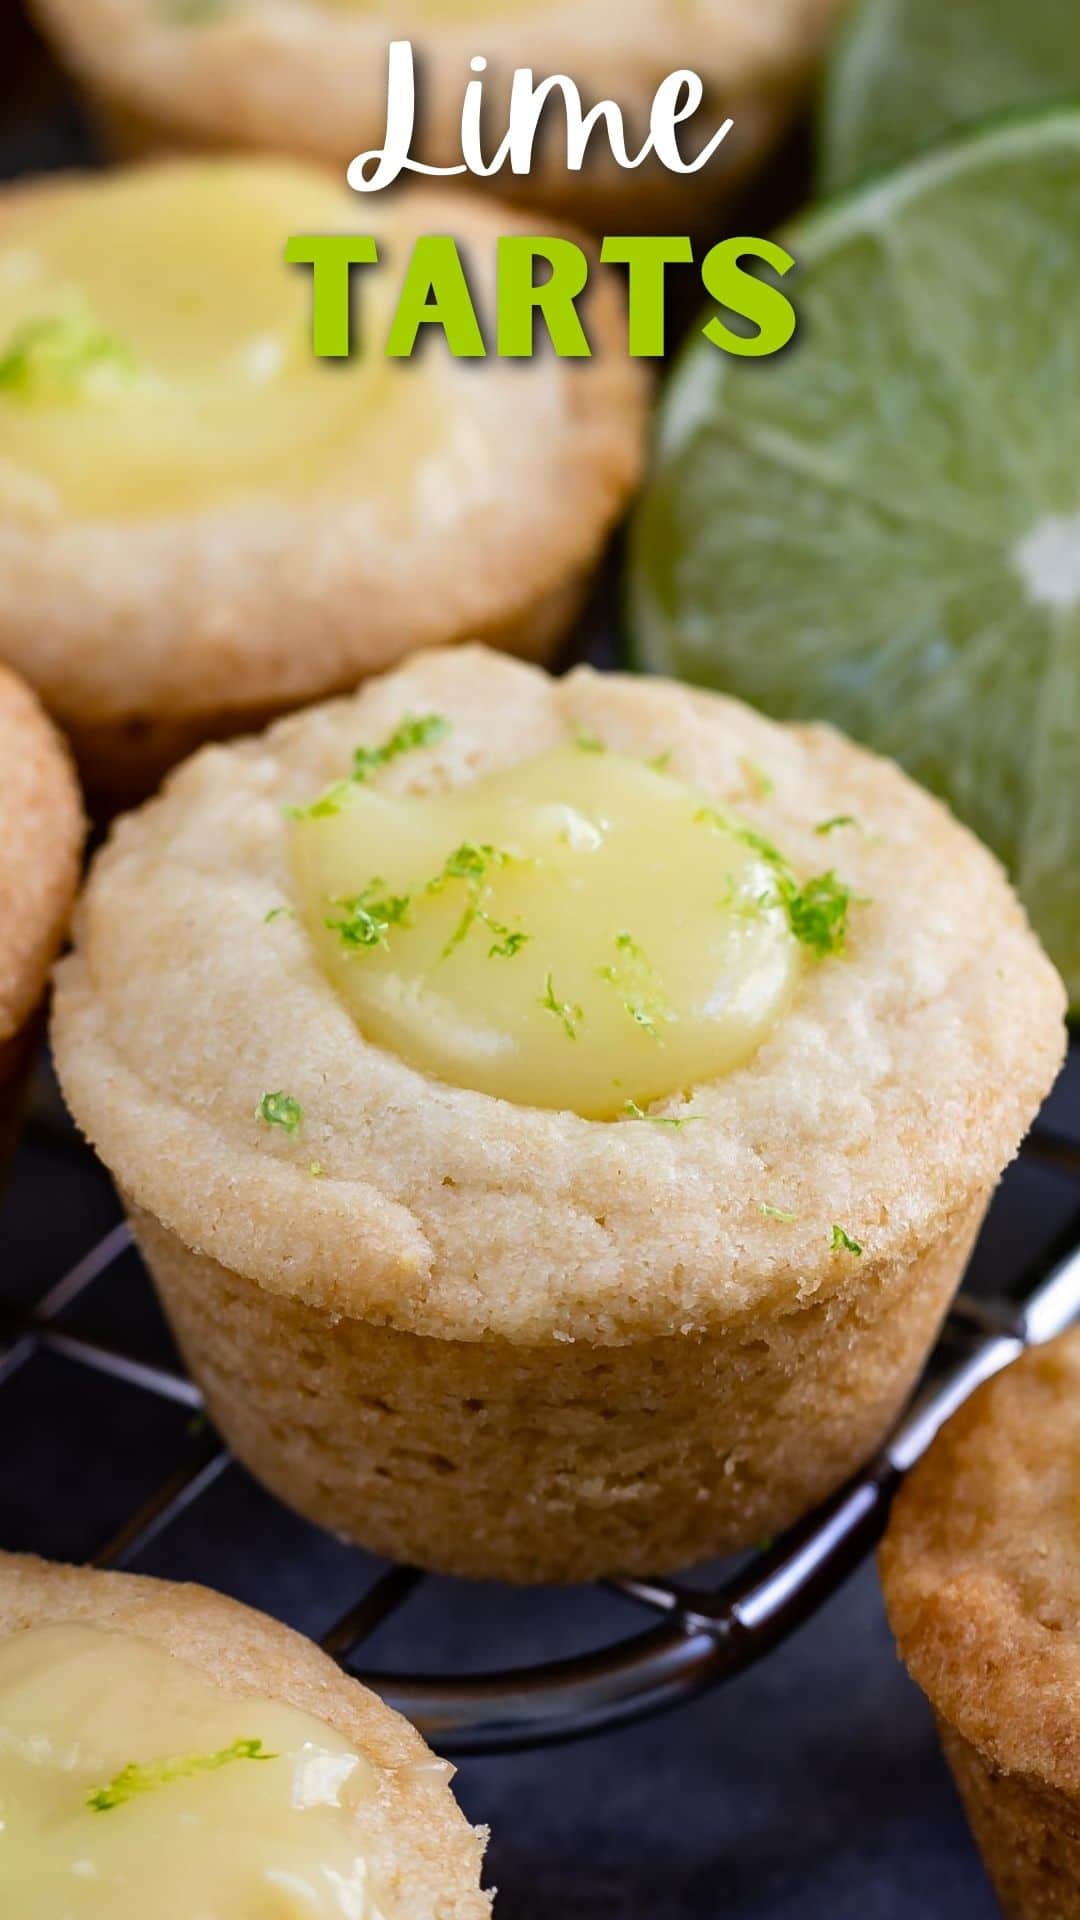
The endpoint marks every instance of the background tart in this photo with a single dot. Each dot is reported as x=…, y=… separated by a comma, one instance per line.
x=309, y=76
x=504, y=1339
x=982, y=1581
x=213, y=527
x=41, y=831
x=424, y=1849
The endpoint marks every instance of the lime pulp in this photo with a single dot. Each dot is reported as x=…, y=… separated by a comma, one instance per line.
x=882, y=526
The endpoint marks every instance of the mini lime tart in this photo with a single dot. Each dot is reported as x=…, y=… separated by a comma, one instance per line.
x=164, y=1750
x=581, y=1094
x=202, y=525
x=310, y=77
x=982, y=1584
x=41, y=833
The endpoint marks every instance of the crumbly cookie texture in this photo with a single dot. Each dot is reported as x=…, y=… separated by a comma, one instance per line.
x=424, y=1849
x=41, y=831
x=982, y=1574
x=887, y=1101
x=982, y=1583
x=1028, y=1834
x=295, y=76
x=560, y=1460
x=145, y=637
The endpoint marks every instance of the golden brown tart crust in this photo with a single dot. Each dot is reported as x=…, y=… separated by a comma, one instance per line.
x=41, y=833
x=41, y=830
x=628, y=1358
x=981, y=1569
x=146, y=635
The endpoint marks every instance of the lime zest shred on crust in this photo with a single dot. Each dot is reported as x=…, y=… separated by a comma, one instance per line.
x=408, y=737
x=842, y=1241
x=777, y=1213
x=412, y=733
x=632, y=1111
x=280, y=1110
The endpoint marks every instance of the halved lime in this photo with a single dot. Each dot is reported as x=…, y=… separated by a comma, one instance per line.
x=907, y=72
x=881, y=526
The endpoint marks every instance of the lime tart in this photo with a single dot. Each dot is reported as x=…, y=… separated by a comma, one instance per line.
x=982, y=1581
x=556, y=1113
x=310, y=77
x=202, y=524
x=41, y=830
x=164, y=1750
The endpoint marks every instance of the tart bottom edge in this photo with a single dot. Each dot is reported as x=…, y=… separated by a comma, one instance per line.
x=123, y=760
x=561, y=1462
x=1027, y=1832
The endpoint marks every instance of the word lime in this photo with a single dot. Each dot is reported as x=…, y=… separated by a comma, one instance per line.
x=676, y=101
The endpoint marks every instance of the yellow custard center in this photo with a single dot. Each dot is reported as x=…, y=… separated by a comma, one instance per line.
x=580, y=932
x=131, y=1785
x=155, y=348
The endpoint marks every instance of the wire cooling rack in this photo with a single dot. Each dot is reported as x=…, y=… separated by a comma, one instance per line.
x=697, y=1635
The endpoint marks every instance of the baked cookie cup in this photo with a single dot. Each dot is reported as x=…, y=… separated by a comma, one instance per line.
x=41, y=832
x=240, y=1769
x=551, y=1158
x=982, y=1582
x=310, y=77
x=202, y=525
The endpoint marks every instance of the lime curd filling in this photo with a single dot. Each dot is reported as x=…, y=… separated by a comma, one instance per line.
x=131, y=1785
x=155, y=349
x=580, y=932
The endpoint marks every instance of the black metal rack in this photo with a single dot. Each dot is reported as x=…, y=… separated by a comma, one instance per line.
x=698, y=1635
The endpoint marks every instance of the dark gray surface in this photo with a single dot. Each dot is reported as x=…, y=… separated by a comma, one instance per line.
x=811, y=1789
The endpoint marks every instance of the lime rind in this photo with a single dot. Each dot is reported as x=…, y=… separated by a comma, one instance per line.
x=864, y=206
x=904, y=75
x=837, y=533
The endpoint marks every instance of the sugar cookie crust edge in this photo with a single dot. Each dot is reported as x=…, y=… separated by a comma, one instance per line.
x=1007, y=1681
x=894, y=1092
x=41, y=834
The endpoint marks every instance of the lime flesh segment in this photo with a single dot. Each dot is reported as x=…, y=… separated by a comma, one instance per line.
x=905, y=73
x=882, y=526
